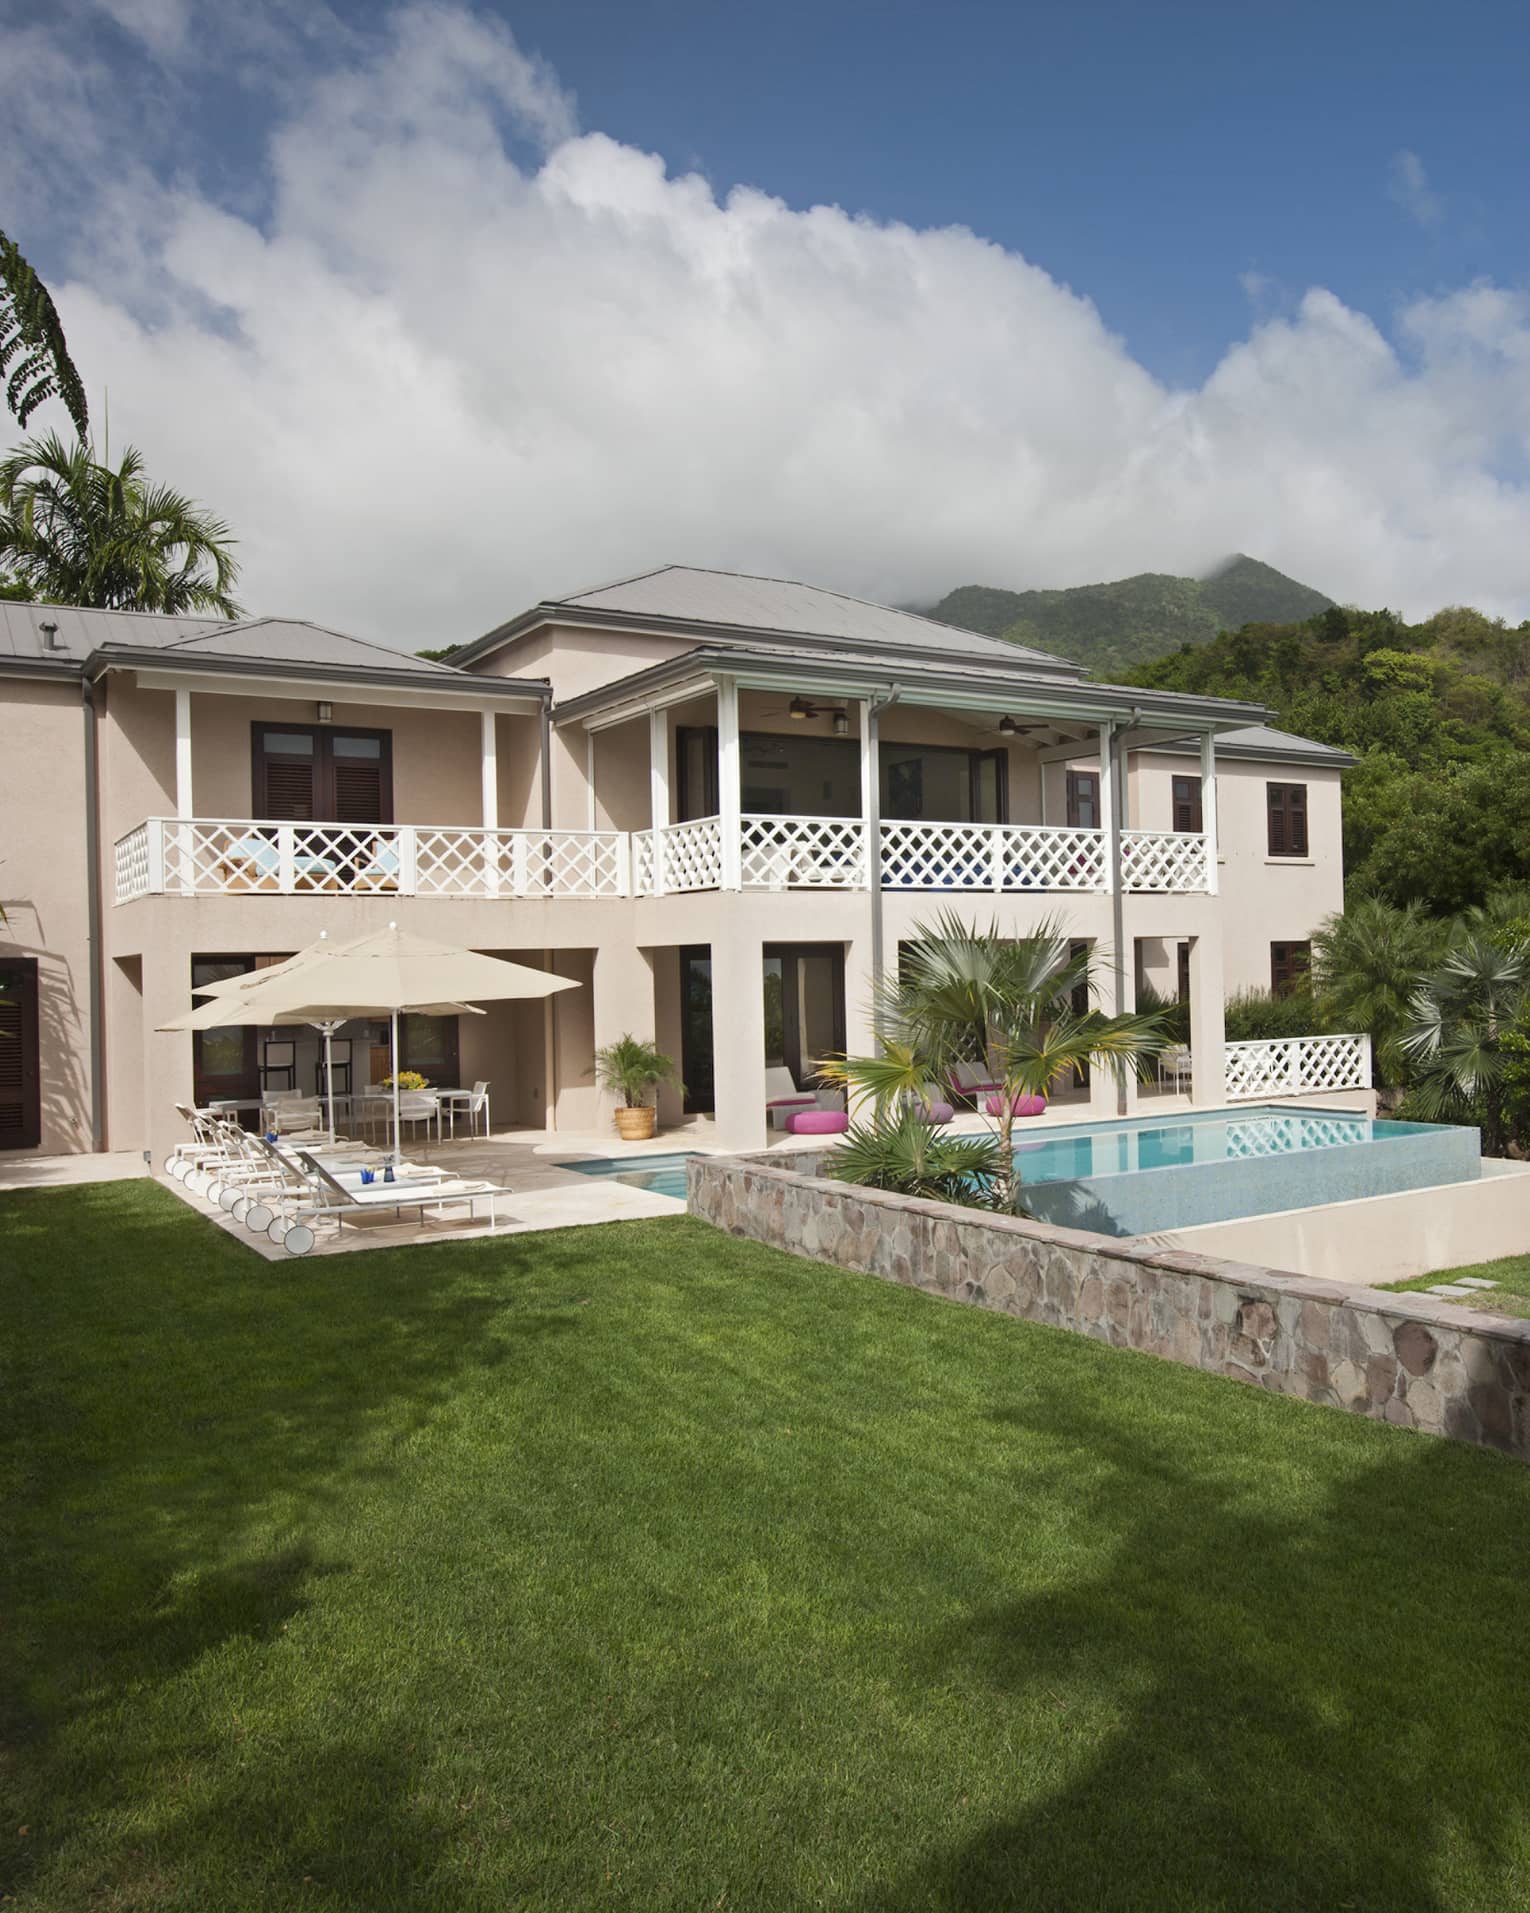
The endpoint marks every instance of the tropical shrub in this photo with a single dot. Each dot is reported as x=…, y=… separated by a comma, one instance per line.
x=1255, y=1016
x=633, y=1069
x=906, y=1154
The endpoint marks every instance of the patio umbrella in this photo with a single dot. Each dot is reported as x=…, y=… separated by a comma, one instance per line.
x=388, y=973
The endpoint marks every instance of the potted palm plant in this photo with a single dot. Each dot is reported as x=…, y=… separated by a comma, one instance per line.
x=634, y=1069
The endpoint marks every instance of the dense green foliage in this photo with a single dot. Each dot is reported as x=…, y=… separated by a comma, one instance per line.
x=1111, y=627
x=34, y=355
x=966, y=995
x=75, y=531
x=1438, y=807
x=639, y=1567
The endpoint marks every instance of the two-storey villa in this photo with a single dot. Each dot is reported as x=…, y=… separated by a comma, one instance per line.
x=718, y=802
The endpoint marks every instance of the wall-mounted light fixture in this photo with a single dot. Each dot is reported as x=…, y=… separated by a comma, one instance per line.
x=841, y=724
x=326, y=712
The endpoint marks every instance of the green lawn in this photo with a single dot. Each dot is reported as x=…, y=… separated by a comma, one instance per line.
x=638, y=1567
x=1510, y=1296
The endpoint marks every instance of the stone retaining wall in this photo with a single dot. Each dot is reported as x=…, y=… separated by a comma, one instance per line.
x=1412, y=1360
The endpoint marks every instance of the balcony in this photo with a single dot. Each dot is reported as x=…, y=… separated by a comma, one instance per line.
x=234, y=857
x=192, y=857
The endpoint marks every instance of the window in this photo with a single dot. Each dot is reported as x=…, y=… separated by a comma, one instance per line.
x=1287, y=805
x=1187, y=805
x=1083, y=800
x=1289, y=964
x=313, y=774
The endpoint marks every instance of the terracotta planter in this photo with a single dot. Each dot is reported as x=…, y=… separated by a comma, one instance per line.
x=636, y=1125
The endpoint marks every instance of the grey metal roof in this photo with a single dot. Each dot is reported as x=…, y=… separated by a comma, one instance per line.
x=81, y=631
x=88, y=640
x=1264, y=741
x=715, y=602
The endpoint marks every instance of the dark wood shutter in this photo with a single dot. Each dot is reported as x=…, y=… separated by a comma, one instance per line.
x=20, y=1076
x=359, y=778
x=1187, y=805
x=1083, y=800
x=286, y=774
x=1289, y=964
x=1287, y=805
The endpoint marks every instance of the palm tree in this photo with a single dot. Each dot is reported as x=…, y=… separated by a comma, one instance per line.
x=974, y=996
x=906, y=1154
x=1369, y=963
x=73, y=531
x=1458, y=1020
x=34, y=356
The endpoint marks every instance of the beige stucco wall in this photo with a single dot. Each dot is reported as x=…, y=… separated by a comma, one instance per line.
x=43, y=888
x=575, y=661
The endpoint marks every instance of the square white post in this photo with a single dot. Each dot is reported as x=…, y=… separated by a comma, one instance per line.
x=658, y=768
x=489, y=766
x=590, y=813
x=1209, y=808
x=1109, y=824
x=185, y=806
x=870, y=791
x=1208, y=1022
x=730, y=819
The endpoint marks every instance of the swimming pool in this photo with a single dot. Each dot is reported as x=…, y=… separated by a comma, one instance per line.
x=1145, y=1174
x=662, y=1175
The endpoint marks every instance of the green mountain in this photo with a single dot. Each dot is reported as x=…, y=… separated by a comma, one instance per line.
x=1113, y=627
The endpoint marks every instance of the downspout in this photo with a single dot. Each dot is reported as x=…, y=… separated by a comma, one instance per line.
x=95, y=1031
x=874, y=708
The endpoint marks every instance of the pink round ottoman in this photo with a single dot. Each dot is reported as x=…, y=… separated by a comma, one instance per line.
x=1021, y=1106
x=818, y=1122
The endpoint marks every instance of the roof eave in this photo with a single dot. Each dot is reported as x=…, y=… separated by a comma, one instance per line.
x=1022, y=689
x=549, y=613
x=466, y=685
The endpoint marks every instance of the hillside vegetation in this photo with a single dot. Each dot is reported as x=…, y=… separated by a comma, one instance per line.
x=1109, y=628
x=1438, y=714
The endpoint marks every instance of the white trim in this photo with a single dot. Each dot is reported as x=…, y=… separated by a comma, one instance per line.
x=658, y=769
x=331, y=690
x=1208, y=807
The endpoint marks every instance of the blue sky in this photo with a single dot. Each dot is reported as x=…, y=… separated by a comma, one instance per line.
x=1151, y=156
x=371, y=239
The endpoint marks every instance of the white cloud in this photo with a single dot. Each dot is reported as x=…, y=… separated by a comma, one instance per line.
x=1408, y=184
x=470, y=357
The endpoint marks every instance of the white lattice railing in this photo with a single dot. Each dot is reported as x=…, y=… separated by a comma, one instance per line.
x=1296, y=1066
x=1162, y=860
x=931, y=856
x=807, y=853
x=189, y=857
x=678, y=857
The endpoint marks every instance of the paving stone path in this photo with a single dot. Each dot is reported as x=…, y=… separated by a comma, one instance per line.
x=1468, y=1286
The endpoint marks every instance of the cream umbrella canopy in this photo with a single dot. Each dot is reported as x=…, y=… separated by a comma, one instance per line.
x=387, y=973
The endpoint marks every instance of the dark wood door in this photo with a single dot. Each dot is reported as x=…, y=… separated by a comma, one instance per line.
x=306, y=773
x=20, y=1074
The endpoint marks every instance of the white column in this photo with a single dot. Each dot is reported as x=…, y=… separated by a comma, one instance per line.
x=183, y=799
x=1208, y=1025
x=1108, y=824
x=870, y=789
x=658, y=768
x=1209, y=808
x=738, y=1040
x=489, y=752
x=730, y=821
x=590, y=813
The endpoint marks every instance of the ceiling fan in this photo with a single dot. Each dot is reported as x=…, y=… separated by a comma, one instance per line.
x=802, y=708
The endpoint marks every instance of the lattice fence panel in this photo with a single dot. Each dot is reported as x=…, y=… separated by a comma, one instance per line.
x=1045, y=859
x=643, y=863
x=992, y=857
x=692, y=854
x=563, y=863
x=1296, y=1066
x=131, y=864
x=1162, y=860
x=812, y=853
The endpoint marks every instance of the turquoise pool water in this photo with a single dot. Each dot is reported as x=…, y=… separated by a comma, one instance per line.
x=664, y=1175
x=1148, y=1174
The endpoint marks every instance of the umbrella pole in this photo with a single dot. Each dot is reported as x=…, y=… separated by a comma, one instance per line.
x=329, y=1078
x=398, y=1153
